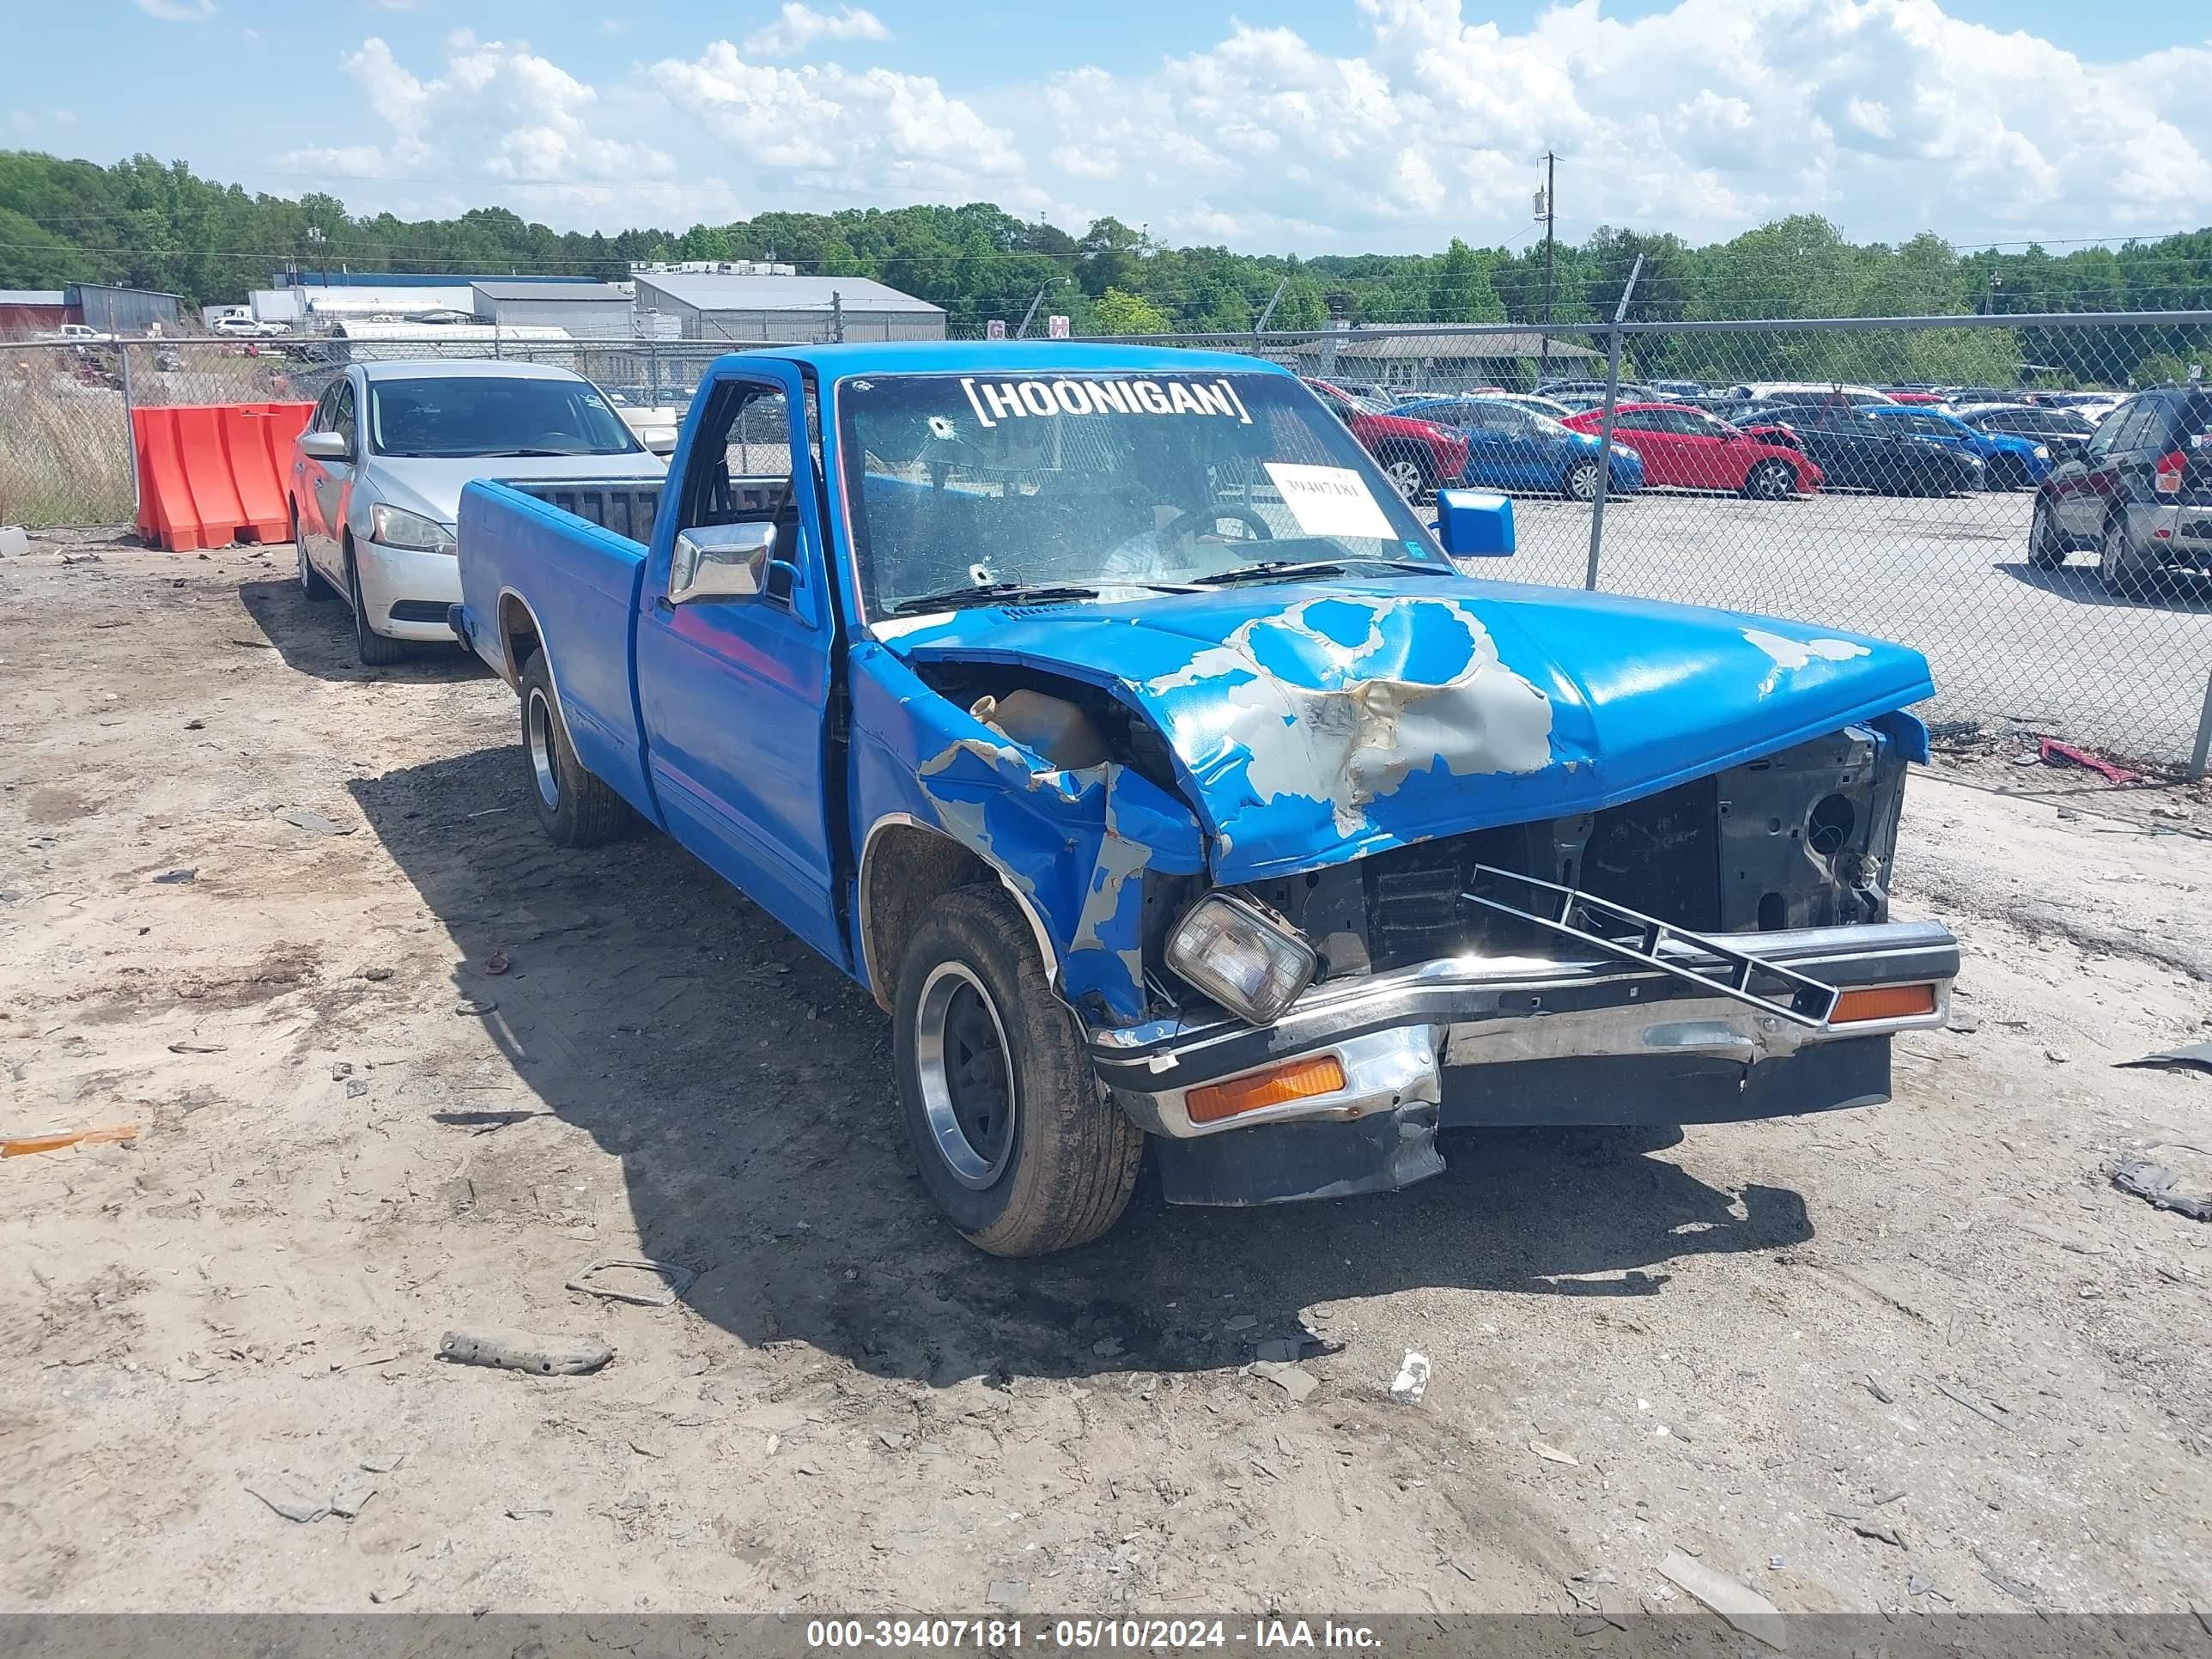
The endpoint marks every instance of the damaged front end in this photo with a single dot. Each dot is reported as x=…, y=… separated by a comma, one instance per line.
x=1327, y=872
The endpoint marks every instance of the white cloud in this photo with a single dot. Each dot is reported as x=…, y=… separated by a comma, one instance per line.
x=876, y=132
x=798, y=26
x=505, y=116
x=1708, y=117
x=178, y=11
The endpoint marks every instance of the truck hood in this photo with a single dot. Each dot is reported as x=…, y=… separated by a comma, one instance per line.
x=1315, y=723
x=432, y=486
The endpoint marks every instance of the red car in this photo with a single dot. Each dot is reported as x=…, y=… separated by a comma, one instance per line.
x=1419, y=456
x=1689, y=449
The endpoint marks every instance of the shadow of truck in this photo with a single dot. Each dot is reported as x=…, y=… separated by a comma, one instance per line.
x=745, y=1085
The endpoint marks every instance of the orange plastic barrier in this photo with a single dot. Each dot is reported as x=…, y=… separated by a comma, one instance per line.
x=212, y=474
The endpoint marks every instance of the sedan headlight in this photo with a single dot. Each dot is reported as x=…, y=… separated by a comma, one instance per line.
x=2041, y=453
x=1245, y=960
x=1623, y=449
x=394, y=527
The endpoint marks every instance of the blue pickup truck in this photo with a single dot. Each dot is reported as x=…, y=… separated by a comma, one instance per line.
x=1107, y=715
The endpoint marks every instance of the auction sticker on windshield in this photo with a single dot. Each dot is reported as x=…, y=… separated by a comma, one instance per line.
x=1329, y=500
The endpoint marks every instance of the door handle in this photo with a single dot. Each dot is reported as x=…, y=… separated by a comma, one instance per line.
x=664, y=604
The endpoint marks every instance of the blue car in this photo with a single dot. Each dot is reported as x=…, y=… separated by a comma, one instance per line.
x=2009, y=462
x=1511, y=447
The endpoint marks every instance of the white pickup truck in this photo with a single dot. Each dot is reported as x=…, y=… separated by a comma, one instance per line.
x=77, y=334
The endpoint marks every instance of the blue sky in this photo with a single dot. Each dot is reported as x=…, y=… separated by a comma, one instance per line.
x=1314, y=124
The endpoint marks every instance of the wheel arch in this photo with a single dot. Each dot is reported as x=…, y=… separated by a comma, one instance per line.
x=931, y=862
x=520, y=634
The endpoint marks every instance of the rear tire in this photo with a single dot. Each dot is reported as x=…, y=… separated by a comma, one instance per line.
x=1770, y=481
x=574, y=808
x=371, y=647
x=316, y=586
x=2123, y=571
x=2046, y=551
x=1015, y=1141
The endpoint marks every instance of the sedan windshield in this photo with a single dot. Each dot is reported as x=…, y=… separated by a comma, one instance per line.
x=1098, y=481
x=455, y=416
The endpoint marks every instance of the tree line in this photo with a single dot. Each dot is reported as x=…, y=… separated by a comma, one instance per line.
x=158, y=225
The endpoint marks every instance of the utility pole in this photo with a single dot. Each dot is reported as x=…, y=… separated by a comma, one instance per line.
x=1260, y=327
x=1030, y=316
x=837, y=315
x=1547, y=210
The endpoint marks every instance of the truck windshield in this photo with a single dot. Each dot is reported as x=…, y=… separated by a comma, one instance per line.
x=455, y=416
x=1104, y=480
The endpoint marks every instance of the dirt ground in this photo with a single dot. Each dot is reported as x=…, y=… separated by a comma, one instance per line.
x=1923, y=1356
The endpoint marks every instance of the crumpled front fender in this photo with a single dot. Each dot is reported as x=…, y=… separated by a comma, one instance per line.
x=1073, y=845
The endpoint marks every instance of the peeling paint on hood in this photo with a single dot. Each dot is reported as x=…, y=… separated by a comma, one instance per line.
x=1318, y=722
x=1367, y=695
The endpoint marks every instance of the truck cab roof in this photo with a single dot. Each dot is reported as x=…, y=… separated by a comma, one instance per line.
x=999, y=357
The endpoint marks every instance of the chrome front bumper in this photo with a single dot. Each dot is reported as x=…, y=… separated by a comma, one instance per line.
x=1398, y=1034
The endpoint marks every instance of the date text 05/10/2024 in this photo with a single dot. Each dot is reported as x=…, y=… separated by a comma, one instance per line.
x=1078, y=1634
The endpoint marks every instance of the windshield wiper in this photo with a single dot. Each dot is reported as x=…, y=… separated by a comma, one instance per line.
x=957, y=599
x=1274, y=569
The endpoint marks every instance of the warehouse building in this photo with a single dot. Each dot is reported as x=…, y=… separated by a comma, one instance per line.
x=25, y=312
x=789, y=309
x=588, y=311
x=127, y=311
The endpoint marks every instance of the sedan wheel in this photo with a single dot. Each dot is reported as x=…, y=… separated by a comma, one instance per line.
x=310, y=579
x=1581, y=481
x=1405, y=476
x=1770, y=481
x=2044, y=550
x=2118, y=569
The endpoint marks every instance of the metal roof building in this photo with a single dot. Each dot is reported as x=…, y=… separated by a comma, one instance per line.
x=786, y=309
x=27, y=311
x=589, y=311
x=1410, y=355
x=117, y=310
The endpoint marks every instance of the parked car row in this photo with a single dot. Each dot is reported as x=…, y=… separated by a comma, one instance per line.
x=1793, y=444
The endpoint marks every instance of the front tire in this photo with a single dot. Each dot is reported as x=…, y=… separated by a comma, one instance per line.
x=1407, y=472
x=1770, y=481
x=374, y=649
x=1581, y=483
x=575, y=807
x=1015, y=1141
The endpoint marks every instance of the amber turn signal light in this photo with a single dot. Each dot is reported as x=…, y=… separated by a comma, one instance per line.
x=1883, y=1002
x=1296, y=1079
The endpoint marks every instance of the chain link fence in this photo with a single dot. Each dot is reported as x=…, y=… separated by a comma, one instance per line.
x=1880, y=476
x=1875, y=475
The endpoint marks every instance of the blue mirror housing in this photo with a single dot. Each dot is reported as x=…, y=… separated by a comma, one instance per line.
x=1474, y=524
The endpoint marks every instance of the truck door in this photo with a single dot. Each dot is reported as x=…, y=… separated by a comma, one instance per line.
x=733, y=664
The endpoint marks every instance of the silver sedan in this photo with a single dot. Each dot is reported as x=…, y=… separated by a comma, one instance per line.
x=376, y=478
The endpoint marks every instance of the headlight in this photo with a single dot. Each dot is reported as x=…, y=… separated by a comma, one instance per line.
x=1623, y=449
x=2041, y=453
x=1235, y=954
x=395, y=526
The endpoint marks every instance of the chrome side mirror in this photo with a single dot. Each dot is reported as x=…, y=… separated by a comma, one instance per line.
x=720, y=561
x=326, y=447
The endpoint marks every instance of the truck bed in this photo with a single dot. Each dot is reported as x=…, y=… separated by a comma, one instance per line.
x=624, y=506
